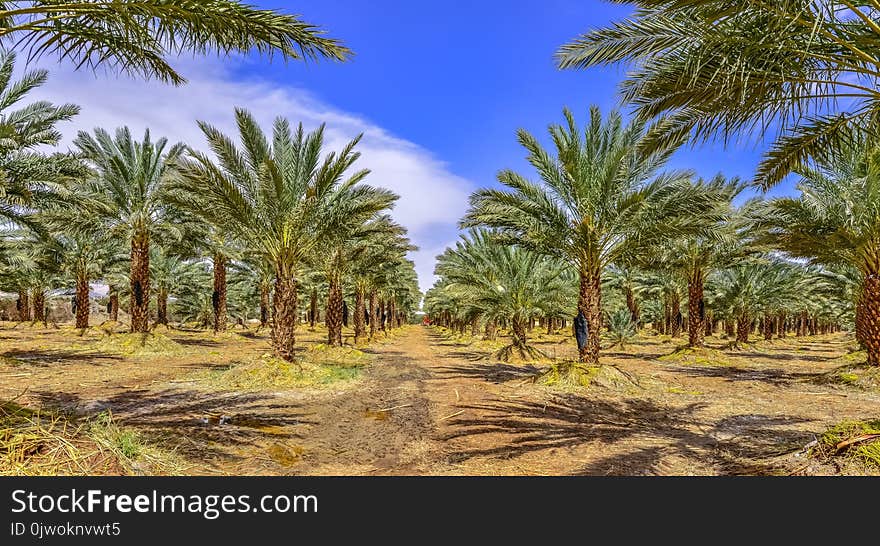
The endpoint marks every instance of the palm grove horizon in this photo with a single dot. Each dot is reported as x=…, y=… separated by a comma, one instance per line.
x=607, y=232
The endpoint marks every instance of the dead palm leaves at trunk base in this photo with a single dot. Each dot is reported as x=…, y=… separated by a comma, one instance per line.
x=514, y=353
x=41, y=443
x=574, y=375
x=320, y=367
x=138, y=344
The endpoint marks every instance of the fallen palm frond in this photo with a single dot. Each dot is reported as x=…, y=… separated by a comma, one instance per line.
x=854, y=441
x=45, y=443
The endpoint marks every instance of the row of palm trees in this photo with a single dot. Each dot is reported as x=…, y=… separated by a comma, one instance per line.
x=606, y=228
x=145, y=217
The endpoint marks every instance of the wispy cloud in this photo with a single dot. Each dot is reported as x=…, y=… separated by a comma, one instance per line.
x=432, y=198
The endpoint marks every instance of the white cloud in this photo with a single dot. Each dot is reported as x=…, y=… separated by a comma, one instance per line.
x=432, y=199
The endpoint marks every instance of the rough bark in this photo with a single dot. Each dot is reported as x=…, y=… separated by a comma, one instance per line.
x=313, y=308
x=218, y=298
x=264, y=305
x=284, y=317
x=38, y=300
x=333, y=313
x=589, y=303
x=632, y=305
x=140, y=283
x=162, y=306
x=676, y=316
x=113, y=306
x=82, y=300
x=24, y=306
x=490, y=332
x=374, y=311
x=743, y=328
x=518, y=332
x=696, y=310
x=868, y=325
x=359, y=312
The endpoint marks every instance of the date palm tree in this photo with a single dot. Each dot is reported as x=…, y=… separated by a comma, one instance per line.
x=127, y=195
x=28, y=177
x=137, y=36
x=836, y=222
x=281, y=198
x=599, y=200
x=808, y=70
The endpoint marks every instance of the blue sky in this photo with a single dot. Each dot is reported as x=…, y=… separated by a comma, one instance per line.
x=439, y=89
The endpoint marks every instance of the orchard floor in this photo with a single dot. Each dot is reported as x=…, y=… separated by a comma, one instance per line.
x=429, y=404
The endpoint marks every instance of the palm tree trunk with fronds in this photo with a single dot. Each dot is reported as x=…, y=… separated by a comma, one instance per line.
x=284, y=317
x=313, y=308
x=162, y=306
x=140, y=283
x=38, y=300
x=114, y=304
x=374, y=310
x=82, y=299
x=768, y=328
x=23, y=305
x=359, y=312
x=781, y=326
x=589, y=303
x=743, y=328
x=334, y=312
x=264, y=305
x=218, y=298
x=382, y=315
x=696, y=310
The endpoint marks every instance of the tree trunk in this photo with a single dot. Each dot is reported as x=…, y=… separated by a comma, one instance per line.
x=284, y=317
x=676, y=316
x=313, y=308
x=781, y=326
x=140, y=283
x=82, y=299
x=24, y=306
x=162, y=306
x=475, y=326
x=382, y=310
x=632, y=305
x=768, y=328
x=218, y=298
x=359, y=312
x=549, y=325
x=589, y=303
x=696, y=310
x=374, y=311
x=264, y=305
x=38, y=300
x=868, y=325
x=491, y=330
x=333, y=313
x=743, y=328
x=113, y=305
x=518, y=331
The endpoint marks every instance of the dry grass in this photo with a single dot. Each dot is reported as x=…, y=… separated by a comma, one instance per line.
x=45, y=443
x=153, y=345
x=320, y=367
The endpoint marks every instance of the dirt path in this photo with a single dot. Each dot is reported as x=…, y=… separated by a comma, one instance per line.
x=430, y=405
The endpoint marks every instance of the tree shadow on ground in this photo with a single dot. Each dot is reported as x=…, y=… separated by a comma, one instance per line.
x=199, y=425
x=773, y=376
x=572, y=421
x=54, y=357
x=491, y=372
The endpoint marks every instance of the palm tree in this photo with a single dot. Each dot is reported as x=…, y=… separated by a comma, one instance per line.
x=836, y=222
x=503, y=282
x=600, y=200
x=693, y=257
x=281, y=199
x=806, y=69
x=28, y=177
x=127, y=193
x=136, y=36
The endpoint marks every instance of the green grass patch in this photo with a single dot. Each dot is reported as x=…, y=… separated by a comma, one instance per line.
x=853, y=375
x=855, y=441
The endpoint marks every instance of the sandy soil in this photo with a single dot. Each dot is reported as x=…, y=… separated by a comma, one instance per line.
x=428, y=405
